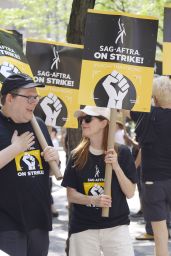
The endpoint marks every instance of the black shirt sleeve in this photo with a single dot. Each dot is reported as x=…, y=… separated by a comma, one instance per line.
x=70, y=177
x=144, y=125
x=135, y=115
x=127, y=164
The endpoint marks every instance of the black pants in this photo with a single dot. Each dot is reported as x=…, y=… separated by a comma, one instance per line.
x=15, y=243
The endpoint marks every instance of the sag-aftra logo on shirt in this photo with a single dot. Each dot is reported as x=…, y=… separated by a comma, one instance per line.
x=29, y=163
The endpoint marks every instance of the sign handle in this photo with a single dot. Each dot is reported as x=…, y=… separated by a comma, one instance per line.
x=108, y=169
x=53, y=164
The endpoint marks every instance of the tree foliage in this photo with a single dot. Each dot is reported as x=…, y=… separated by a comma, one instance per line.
x=75, y=34
x=49, y=18
x=40, y=19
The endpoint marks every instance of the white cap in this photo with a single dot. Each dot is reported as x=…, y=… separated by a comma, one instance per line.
x=93, y=111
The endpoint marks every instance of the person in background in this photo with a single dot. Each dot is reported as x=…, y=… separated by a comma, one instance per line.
x=25, y=216
x=122, y=137
x=136, y=152
x=148, y=235
x=119, y=132
x=90, y=233
x=153, y=134
x=54, y=137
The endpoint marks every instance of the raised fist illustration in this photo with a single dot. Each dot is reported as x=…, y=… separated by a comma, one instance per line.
x=97, y=190
x=116, y=95
x=29, y=160
x=6, y=69
x=52, y=107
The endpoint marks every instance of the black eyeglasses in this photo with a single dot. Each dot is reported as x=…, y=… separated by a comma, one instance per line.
x=87, y=119
x=30, y=99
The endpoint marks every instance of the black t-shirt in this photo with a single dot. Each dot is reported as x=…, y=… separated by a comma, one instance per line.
x=24, y=183
x=153, y=132
x=90, y=181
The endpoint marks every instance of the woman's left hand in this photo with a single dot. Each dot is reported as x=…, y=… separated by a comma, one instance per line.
x=50, y=154
x=111, y=158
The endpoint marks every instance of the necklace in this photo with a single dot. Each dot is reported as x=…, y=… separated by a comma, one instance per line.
x=96, y=151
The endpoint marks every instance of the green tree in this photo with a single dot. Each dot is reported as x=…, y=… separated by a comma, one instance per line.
x=39, y=19
x=75, y=34
x=49, y=18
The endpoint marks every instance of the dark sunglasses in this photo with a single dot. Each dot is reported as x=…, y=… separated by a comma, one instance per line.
x=87, y=119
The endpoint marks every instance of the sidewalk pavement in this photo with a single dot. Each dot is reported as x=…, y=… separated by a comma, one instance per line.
x=60, y=225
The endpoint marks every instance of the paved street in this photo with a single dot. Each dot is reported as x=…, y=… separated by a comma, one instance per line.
x=59, y=233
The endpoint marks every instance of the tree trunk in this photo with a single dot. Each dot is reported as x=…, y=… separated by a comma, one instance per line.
x=75, y=35
x=76, y=26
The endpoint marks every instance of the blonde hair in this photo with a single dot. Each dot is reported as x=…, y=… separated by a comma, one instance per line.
x=162, y=90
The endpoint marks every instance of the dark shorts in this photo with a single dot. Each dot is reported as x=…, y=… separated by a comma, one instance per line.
x=156, y=199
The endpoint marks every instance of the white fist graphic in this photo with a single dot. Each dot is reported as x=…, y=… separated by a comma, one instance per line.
x=6, y=69
x=97, y=190
x=29, y=160
x=116, y=99
x=51, y=106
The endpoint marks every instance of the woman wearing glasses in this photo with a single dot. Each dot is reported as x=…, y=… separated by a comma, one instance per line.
x=90, y=233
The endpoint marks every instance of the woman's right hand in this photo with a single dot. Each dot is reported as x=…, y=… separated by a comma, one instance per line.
x=101, y=201
x=24, y=141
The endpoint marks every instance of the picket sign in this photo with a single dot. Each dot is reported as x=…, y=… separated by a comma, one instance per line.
x=53, y=164
x=108, y=169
